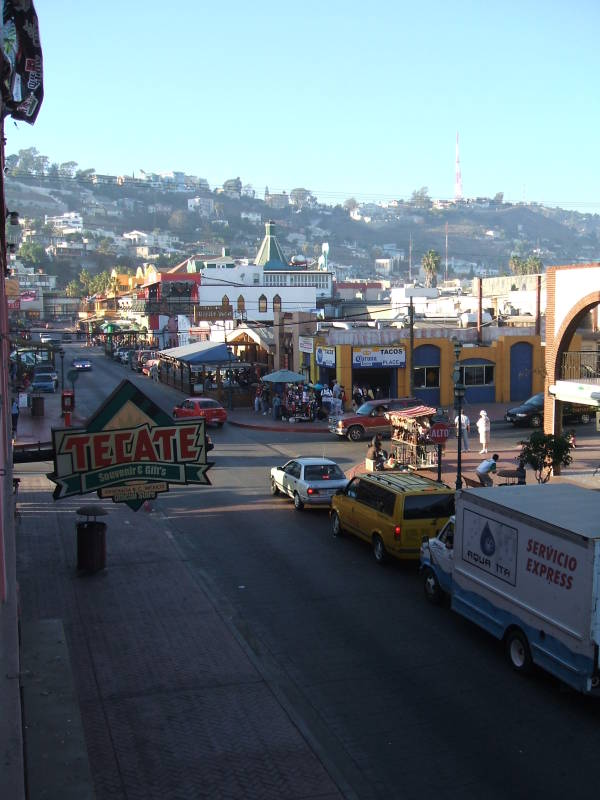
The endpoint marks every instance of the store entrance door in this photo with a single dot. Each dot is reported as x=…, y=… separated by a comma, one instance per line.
x=383, y=379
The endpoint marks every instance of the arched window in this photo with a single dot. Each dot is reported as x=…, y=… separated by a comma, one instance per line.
x=225, y=301
x=262, y=304
x=277, y=303
x=241, y=303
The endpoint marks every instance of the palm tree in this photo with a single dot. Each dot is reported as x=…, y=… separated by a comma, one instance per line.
x=431, y=264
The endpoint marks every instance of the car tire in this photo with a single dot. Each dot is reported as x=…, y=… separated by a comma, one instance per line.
x=355, y=433
x=431, y=587
x=298, y=504
x=336, y=524
x=585, y=419
x=536, y=421
x=379, y=549
x=274, y=488
x=518, y=652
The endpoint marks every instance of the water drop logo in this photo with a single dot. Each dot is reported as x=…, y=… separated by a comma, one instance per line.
x=487, y=543
x=319, y=355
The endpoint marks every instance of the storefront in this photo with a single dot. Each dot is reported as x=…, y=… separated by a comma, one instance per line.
x=377, y=368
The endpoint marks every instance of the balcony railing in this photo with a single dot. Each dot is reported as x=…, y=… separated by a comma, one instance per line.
x=582, y=366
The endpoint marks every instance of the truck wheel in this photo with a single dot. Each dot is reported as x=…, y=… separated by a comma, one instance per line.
x=379, y=549
x=355, y=433
x=518, y=652
x=431, y=587
x=536, y=421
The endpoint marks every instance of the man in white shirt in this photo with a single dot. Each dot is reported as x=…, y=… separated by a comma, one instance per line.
x=483, y=471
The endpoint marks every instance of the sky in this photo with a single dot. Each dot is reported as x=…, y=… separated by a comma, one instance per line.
x=341, y=97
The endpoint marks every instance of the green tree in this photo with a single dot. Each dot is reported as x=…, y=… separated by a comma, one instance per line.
x=100, y=283
x=74, y=289
x=431, y=264
x=544, y=452
x=350, y=204
x=534, y=265
x=420, y=197
x=85, y=280
x=33, y=254
x=517, y=265
x=499, y=198
x=67, y=169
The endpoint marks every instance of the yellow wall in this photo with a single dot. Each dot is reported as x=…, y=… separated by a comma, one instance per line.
x=498, y=353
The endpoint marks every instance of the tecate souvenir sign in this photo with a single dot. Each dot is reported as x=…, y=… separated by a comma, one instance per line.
x=377, y=357
x=130, y=450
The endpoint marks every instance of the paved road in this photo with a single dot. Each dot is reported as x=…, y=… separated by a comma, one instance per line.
x=397, y=699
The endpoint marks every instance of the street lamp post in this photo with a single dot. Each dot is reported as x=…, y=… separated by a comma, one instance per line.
x=459, y=393
x=61, y=353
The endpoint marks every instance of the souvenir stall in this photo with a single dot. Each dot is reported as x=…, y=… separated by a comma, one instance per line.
x=411, y=445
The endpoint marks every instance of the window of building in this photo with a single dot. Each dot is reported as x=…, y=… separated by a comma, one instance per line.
x=241, y=303
x=478, y=375
x=426, y=377
x=277, y=303
x=262, y=304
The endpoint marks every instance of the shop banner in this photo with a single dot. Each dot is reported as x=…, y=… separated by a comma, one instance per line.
x=377, y=357
x=325, y=356
x=22, y=86
x=305, y=344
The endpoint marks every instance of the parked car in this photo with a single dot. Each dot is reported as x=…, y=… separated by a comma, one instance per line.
x=212, y=411
x=308, y=481
x=531, y=412
x=43, y=383
x=369, y=419
x=392, y=511
x=82, y=364
x=42, y=371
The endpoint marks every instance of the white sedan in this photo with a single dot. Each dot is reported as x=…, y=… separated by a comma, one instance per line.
x=308, y=481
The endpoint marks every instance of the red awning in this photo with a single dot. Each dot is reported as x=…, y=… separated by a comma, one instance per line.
x=411, y=413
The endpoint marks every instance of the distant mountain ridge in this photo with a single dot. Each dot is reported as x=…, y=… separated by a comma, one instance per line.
x=480, y=235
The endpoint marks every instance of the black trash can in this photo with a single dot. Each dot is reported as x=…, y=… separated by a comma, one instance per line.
x=37, y=406
x=91, y=546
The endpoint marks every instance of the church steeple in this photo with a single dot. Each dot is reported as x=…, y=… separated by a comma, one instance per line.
x=270, y=255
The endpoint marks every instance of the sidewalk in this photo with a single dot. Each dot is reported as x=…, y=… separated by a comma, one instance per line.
x=136, y=681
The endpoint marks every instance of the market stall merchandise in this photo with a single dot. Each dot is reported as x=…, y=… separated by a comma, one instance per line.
x=411, y=442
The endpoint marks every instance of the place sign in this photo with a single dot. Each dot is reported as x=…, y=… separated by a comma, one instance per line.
x=208, y=313
x=129, y=451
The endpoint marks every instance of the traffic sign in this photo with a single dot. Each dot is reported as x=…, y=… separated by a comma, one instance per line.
x=439, y=432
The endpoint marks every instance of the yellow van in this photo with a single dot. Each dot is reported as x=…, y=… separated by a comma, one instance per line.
x=392, y=511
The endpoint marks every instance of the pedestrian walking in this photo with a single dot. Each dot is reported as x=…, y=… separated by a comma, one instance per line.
x=484, y=470
x=465, y=428
x=483, y=426
x=14, y=413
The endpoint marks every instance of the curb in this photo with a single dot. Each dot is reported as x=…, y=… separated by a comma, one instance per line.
x=301, y=428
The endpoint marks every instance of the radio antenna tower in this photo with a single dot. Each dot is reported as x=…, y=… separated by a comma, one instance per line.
x=458, y=193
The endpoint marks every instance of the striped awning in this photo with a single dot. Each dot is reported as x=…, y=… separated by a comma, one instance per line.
x=410, y=413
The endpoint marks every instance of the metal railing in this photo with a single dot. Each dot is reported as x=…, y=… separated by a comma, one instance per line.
x=582, y=366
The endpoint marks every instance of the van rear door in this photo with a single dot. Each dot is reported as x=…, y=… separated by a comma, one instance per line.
x=424, y=515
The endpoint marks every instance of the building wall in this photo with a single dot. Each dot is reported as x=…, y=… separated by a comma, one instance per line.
x=497, y=354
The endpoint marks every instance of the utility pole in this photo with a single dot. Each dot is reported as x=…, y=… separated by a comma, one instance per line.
x=410, y=258
x=446, y=273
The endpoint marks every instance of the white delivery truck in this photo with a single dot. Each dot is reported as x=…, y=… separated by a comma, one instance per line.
x=523, y=562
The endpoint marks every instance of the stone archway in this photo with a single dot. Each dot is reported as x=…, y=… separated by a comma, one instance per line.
x=568, y=302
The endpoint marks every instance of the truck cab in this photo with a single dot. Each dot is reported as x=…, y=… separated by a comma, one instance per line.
x=437, y=559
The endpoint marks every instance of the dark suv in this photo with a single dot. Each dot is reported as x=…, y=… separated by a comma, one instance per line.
x=532, y=412
x=370, y=418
